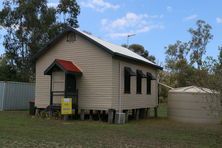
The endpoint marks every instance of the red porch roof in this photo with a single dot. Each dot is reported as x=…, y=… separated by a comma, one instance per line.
x=66, y=66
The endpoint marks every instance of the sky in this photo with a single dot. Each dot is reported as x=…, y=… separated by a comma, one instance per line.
x=156, y=23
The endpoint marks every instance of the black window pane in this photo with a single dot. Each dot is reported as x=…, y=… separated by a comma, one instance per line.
x=138, y=83
x=126, y=81
x=148, y=84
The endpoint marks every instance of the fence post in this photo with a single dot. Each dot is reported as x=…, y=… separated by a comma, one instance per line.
x=3, y=95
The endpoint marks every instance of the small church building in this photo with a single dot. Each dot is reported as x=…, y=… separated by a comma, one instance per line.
x=99, y=77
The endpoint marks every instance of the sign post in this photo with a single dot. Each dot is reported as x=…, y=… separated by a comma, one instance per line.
x=66, y=106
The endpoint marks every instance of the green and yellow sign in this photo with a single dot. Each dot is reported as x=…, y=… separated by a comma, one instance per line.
x=66, y=106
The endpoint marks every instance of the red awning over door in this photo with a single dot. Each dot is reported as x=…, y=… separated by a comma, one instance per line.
x=64, y=65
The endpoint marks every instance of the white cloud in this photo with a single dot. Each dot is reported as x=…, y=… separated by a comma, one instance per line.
x=99, y=5
x=191, y=17
x=115, y=34
x=131, y=23
x=169, y=8
x=52, y=5
x=219, y=20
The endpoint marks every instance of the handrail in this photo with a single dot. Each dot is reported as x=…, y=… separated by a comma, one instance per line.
x=73, y=95
x=63, y=92
x=165, y=85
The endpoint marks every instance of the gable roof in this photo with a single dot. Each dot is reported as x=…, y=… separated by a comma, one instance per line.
x=66, y=66
x=114, y=50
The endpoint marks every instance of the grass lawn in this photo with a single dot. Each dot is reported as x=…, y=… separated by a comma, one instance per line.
x=18, y=129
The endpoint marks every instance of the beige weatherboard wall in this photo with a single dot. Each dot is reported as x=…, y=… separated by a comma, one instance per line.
x=194, y=105
x=99, y=85
x=96, y=81
x=133, y=100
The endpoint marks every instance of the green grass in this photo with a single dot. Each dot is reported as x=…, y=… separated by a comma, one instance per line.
x=18, y=129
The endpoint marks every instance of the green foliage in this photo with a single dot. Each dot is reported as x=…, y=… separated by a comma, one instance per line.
x=176, y=55
x=70, y=9
x=139, y=49
x=184, y=60
x=165, y=78
x=215, y=78
x=30, y=25
x=178, y=65
x=124, y=45
x=200, y=38
x=186, y=65
x=220, y=55
x=6, y=71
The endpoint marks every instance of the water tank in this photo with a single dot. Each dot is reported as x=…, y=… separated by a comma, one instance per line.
x=194, y=105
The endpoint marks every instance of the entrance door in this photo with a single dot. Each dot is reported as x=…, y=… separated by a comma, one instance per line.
x=70, y=85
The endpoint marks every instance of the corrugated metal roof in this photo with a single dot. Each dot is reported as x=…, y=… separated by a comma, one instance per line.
x=116, y=48
x=192, y=89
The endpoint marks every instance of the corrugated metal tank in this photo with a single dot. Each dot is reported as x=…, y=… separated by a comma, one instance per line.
x=194, y=105
x=16, y=95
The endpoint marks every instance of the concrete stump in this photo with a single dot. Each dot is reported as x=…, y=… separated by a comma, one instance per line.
x=99, y=116
x=127, y=115
x=82, y=114
x=110, y=115
x=137, y=114
x=90, y=114
x=76, y=113
x=155, y=112
x=142, y=113
x=103, y=115
x=148, y=112
x=65, y=117
x=134, y=113
x=37, y=112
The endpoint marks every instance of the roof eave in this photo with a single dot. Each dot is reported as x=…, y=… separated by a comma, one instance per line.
x=137, y=60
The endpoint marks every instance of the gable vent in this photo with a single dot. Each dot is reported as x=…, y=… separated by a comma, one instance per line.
x=71, y=37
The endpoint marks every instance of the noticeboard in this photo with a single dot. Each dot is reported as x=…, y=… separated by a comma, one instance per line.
x=66, y=108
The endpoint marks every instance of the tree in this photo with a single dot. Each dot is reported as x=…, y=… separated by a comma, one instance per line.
x=185, y=61
x=186, y=65
x=220, y=55
x=176, y=53
x=178, y=65
x=70, y=10
x=200, y=38
x=30, y=25
x=124, y=45
x=6, y=71
x=165, y=78
x=216, y=79
x=139, y=49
